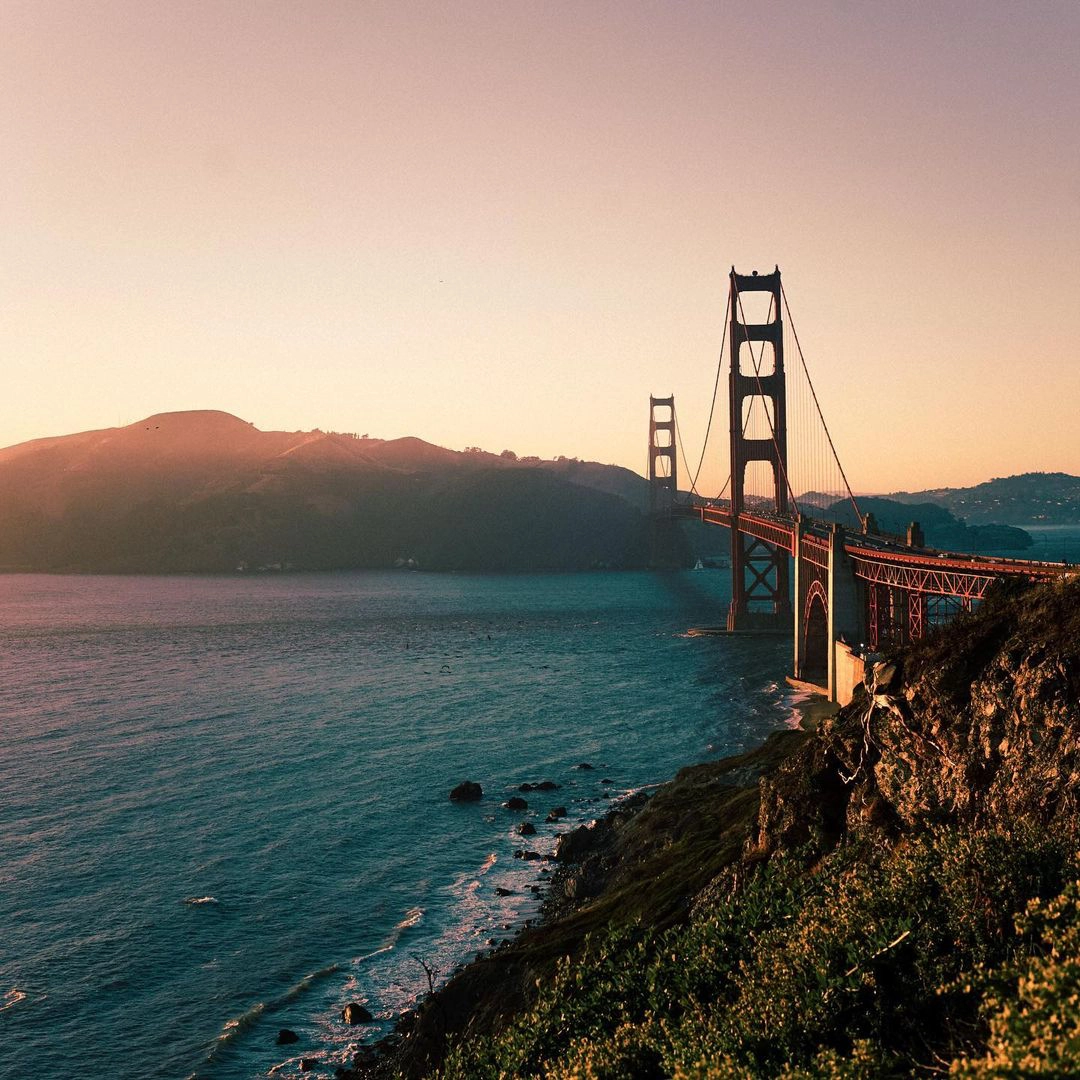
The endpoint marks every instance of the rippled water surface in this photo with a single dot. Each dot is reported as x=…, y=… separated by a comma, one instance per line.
x=223, y=801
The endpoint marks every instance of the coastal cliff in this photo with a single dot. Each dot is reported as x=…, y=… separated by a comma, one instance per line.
x=894, y=894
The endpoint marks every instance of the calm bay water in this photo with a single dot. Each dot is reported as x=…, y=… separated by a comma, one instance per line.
x=223, y=801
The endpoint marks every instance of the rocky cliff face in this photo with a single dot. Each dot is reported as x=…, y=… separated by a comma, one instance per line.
x=978, y=725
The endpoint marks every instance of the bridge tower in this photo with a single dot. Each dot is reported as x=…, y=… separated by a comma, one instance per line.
x=663, y=481
x=760, y=597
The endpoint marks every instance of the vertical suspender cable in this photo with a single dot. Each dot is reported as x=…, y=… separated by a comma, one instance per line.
x=817, y=404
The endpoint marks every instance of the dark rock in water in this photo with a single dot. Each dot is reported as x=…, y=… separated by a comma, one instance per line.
x=607, y=781
x=526, y=787
x=356, y=1014
x=467, y=791
x=307, y=1064
x=527, y=828
x=547, y=785
x=558, y=812
x=285, y=1037
x=532, y=856
x=500, y=891
x=516, y=802
x=583, y=765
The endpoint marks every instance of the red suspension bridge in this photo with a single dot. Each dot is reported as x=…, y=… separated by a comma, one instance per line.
x=813, y=563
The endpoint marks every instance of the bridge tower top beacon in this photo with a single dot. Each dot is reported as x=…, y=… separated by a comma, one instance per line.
x=663, y=470
x=758, y=419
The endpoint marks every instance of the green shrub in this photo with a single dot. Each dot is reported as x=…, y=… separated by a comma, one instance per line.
x=874, y=963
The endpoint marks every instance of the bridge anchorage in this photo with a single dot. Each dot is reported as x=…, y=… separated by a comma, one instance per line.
x=809, y=564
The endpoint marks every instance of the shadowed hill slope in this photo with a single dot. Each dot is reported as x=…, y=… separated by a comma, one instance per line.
x=206, y=491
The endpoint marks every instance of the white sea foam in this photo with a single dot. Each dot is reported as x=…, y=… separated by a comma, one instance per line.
x=412, y=917
x=195, y=901
x=235, y=1026
x=12, y=997
x=245, y=1020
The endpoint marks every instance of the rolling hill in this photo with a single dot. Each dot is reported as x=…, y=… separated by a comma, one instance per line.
x=1026, y=499
x=205, y=491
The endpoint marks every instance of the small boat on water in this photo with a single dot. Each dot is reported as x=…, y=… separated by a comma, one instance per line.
x=699, y=565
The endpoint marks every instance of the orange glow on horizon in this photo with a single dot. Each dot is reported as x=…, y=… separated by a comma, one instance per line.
x=506, y=225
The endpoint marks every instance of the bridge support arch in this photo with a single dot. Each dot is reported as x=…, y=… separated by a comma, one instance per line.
x=828, y=609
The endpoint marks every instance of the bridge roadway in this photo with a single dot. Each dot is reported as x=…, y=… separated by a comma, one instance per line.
x=878, y=558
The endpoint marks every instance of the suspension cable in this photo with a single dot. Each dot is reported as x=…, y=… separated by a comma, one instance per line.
x=715, y=391
x=682, y=452
x=817, y=405
x=712, y=413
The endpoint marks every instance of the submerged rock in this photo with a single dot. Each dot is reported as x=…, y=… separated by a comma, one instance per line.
x=557, y=813
x=584, y=766
x=516, y=802
x=547, y=785
x=467, y=791
x=354, y=1013
x=526, y=828
x=285, y=1037
x=500, y=891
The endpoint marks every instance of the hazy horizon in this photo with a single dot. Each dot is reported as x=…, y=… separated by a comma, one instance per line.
x=506, y=225
x=378, y=438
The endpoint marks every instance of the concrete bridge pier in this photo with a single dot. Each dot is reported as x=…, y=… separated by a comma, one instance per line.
x=827, y=612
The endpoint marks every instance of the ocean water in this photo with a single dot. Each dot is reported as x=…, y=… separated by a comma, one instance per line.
x=223, y=801
x=1053, y=543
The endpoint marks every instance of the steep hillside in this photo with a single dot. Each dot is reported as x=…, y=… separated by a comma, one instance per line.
x=895, y=895
x=205, y=491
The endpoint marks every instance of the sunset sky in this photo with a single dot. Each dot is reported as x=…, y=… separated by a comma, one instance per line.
x=505, y=224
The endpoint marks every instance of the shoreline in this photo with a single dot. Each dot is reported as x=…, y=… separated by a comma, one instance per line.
x=588, y=865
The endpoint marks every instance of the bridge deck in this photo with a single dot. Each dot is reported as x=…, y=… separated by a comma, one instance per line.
x=881, y=559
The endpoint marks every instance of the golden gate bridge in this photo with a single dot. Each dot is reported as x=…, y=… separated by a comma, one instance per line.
x=843, y=587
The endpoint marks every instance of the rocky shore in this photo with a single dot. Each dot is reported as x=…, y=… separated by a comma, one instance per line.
x=891, y=894
x=668, y=840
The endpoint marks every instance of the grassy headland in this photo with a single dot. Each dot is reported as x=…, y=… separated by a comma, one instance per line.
x=894, y=894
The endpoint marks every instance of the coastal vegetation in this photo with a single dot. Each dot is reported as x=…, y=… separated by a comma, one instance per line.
x=894, y=894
